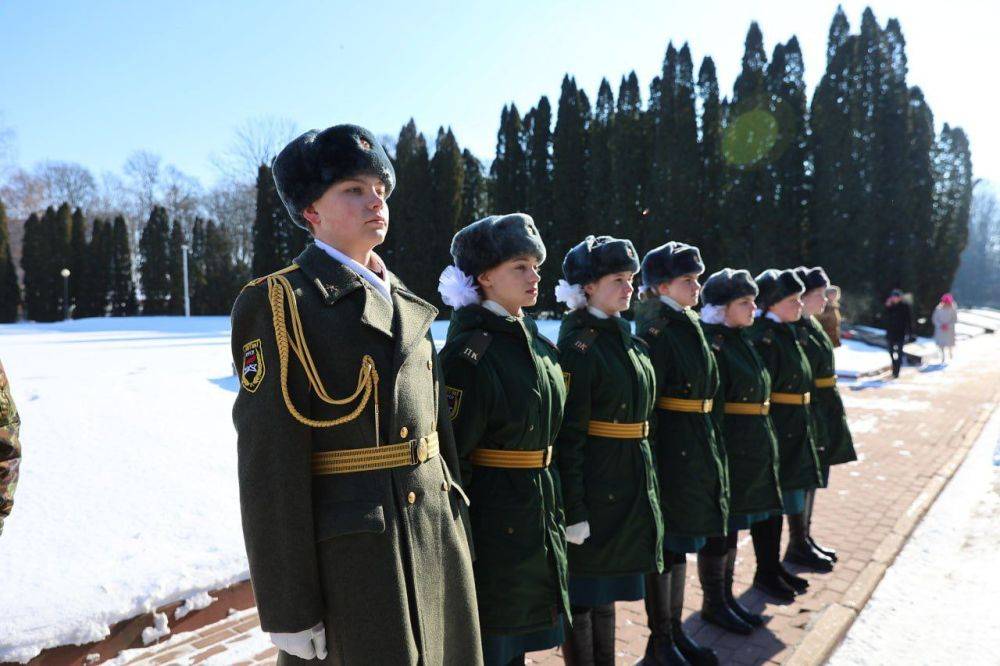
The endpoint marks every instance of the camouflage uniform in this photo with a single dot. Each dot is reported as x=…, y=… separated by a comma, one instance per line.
x=10, y=447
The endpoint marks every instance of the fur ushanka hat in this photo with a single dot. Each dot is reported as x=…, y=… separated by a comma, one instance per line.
x=669, y=261
x=776, y=286
x=812, y=278
x=312, y=162
x=591, y=260
x=725, y=286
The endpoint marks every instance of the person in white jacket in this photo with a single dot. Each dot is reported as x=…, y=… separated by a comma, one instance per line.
x=945, y=317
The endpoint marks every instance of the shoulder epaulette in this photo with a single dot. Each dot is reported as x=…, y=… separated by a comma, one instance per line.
x=717, y=340
x=476, y=346
x=257, y=281
x=585, y=340
x=642, y=343
x=656, y=326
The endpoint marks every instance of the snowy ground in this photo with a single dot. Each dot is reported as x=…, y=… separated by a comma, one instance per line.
x=127, y=499
x=937, y=602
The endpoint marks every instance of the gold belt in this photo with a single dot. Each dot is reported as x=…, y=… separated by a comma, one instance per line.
x=748, y=408
x=511, y=459
x=826, y=382
x=790, y=398
x=618, y=430
x=685, y=405
x=345, y=461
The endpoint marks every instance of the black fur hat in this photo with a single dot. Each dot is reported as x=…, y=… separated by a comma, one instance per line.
x=596, y=257
x=495, y=239
x=727, y=285
x=812, y=278
x=311, y=163
x=776, y=286
x=669, y=261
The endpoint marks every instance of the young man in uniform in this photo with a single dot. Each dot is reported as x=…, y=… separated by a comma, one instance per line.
x=354, y=526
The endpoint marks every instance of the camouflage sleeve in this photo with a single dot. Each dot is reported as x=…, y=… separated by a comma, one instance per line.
x=10, y=447
x=274, y=454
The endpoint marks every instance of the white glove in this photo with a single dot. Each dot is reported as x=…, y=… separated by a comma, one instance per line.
x=577, y=534
x=308, y=644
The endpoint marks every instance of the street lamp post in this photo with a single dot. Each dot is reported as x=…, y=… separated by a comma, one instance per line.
x=187, y=298
x=65, y=276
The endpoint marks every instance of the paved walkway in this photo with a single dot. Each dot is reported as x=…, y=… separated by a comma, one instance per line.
x=908, y=432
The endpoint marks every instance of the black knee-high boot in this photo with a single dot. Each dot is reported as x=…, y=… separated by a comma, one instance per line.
x=694, y=653
x=578, y=650
x=715, y=608
x=767, y=546
x=744, y=613
x=799, y=551
x=603, y=618
x=823, y=550
x=660, y=650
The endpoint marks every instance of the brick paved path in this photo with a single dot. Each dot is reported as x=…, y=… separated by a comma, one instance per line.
x=906, y=432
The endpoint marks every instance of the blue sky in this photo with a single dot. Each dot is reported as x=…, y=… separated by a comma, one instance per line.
x=90, y=82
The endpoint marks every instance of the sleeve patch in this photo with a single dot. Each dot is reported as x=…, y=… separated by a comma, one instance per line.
x=454, y=397
x=252, y=373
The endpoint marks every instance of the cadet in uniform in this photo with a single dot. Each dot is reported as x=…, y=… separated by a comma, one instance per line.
x=791, y=391
x=353, y=520
x=741, y=410
x=609, y=484
x=694, y=496
x=833, y=436
x=505, y=396
x=10, y=447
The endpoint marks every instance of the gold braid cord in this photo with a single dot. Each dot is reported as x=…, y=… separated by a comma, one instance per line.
x=278, y=290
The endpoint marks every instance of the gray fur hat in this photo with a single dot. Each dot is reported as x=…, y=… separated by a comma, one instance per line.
x=669, y=261
x=312, y=162
x=598, y=256
x=776, y=286
x=495, y=239
x=725, y=286
x=812, y=278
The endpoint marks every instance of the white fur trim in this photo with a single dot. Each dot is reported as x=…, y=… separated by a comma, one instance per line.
x=713, y=314
x=456, y=288
x=571, y=294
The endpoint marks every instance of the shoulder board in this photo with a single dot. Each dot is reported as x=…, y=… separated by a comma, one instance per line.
x=585, y=340
x=656, y=326
x=767, y=337
x=642, y=343
x=717, y=341
x=256, y=281
x=476, y=346
x=548, y=342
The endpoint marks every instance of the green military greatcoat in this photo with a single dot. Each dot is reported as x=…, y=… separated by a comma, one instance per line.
x=750, y=441
x=380, y=556
x=694, y=493
x=835, y=444
x=778, y=345
x=609, y=482
x=506, y=392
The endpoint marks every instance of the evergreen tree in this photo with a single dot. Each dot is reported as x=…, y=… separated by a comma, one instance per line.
x=276, y=240
x=97, y=282
x=154, y=263
x=34, y=245
x=539, y=166
x=447, y=176
x=711, y=194
x=601, y=209
x=918, y=219
x=222, y=275
x=569, y=186
x=630, y=164
x=412, y=220
x=840, y=30
x=59, y=228
x=510, y=168
x=123, y=297
x=175, y=261
x=474, y=195
x=663, y=126
x=77, y=257
x=200, y=289
x=10, y=290
x=683, y=161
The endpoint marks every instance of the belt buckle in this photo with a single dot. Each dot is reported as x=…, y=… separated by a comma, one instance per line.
x=706, y=405
x=547, y=457
x=645, y=428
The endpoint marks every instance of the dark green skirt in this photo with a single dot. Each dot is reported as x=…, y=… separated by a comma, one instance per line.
x=501, y=649
x=602, y=590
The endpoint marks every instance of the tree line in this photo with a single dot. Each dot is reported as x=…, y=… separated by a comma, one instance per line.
x=855, y=178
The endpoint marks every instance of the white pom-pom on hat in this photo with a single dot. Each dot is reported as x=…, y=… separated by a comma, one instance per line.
x=456, y=288
x=713, y=314
x=571, y=294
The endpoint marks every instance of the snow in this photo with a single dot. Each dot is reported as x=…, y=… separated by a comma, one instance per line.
x=936, y=604
x=160, y=628
x=855, y=359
